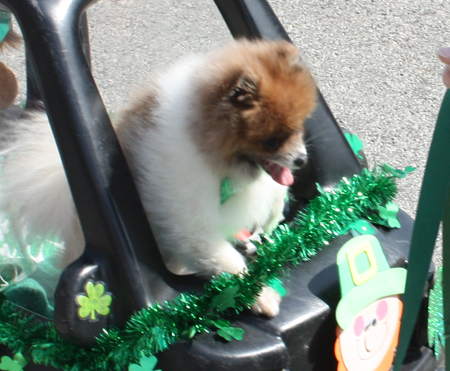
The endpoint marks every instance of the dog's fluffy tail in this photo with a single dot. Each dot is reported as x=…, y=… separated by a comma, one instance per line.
x=33, y=187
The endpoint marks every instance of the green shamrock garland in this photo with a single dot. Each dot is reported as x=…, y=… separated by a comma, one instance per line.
x=153, y=329
x=226, y=299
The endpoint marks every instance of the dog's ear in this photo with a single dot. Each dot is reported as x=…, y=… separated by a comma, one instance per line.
x=244, y=94
x=289, y=53
x=297, y=63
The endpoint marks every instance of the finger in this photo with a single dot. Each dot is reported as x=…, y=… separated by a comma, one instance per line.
x=444, y=55
x=446, y=77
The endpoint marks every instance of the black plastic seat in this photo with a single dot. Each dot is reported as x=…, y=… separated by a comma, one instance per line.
x=120, y=248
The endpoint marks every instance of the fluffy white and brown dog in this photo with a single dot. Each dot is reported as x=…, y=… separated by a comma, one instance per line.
x=237, y=113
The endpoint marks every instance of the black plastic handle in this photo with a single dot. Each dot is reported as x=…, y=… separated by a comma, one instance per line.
x=119, y=241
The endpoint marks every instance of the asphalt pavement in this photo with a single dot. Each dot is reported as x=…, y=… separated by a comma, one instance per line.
x=374, y=61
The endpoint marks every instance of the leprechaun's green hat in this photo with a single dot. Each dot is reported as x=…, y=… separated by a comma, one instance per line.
x=365, y=276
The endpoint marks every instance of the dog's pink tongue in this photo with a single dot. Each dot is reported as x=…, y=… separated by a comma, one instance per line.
x=280, y=174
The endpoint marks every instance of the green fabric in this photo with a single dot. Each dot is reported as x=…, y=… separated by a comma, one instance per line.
x=227, y=190
x=28, y=268
x=5, y=24
x=430, y=211
x=30, y=294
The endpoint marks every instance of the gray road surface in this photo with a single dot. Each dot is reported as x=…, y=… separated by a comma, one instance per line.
x=374, y=61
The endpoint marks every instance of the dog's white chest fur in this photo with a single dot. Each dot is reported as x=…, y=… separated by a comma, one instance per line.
x=181, y=187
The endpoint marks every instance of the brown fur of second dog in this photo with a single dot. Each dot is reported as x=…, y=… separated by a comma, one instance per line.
x=8, y=83
x=12, y=40
x=8, y=87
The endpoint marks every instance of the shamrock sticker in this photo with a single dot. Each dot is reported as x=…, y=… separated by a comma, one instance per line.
x=355, y=143
x=226, y=298
x=400, y=174
x=389, y=214
x=228, y=332
x=16, y=364
x=96, y=301
x=145, y=364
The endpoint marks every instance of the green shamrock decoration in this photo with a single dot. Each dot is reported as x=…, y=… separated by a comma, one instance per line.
x=277, y=285
x=16, y=364
x=228, y=332
x=355, y=143
x=95, y=301
x=226, y=298
x=145, y=364
x=400, y=174
x=389, y=214
x=189, y=333
x=361, y=226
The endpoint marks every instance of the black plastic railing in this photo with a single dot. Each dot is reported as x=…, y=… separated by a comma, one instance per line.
x=120, y=248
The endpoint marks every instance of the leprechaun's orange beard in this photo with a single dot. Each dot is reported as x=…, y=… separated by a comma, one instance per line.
x=370, y=343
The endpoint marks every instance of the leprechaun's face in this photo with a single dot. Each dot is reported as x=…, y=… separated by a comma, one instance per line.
x=370, y=342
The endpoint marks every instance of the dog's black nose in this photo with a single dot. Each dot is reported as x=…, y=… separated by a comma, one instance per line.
x=301, y=160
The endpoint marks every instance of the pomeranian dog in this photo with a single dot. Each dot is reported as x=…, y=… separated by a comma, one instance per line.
x=235, y=115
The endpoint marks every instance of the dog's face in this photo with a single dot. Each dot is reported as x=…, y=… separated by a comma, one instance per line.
x=254, y=101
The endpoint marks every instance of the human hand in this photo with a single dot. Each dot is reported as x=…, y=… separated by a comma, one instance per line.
x=444, y=56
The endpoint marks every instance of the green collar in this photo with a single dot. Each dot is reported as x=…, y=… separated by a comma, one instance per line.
x=227, y=190
x=5, y=24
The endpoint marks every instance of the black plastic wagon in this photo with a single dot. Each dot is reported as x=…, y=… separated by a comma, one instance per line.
x=120, y=248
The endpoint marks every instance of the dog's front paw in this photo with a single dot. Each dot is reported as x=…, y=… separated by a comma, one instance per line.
x=268, y=302
x=228, y=259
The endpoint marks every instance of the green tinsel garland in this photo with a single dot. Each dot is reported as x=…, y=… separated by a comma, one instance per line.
x=152, y=330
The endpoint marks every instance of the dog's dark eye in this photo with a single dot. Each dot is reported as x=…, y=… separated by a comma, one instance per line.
x=272, y=144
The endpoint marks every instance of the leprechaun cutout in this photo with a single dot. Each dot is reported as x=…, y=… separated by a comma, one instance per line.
x=370, y=309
